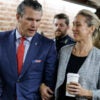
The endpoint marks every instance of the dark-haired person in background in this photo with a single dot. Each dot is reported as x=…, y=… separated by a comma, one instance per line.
x=61, y=26
x=27, y=59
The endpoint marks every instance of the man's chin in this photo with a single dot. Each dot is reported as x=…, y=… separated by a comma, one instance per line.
x=31, y=34
x=58, y=36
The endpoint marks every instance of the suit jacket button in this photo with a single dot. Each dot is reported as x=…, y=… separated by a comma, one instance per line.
x=18, y=80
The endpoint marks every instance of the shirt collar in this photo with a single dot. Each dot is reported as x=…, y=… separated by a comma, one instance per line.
x=18, y=35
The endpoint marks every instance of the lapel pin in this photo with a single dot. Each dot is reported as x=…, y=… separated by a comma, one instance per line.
x=35, y=43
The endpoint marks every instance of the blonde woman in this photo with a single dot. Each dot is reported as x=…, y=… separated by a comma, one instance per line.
x=82, y=58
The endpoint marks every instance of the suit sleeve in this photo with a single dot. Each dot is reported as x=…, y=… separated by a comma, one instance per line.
x=0, y=86
x=50, y=66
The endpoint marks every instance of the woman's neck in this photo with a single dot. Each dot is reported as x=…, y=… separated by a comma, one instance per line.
x=82, y=49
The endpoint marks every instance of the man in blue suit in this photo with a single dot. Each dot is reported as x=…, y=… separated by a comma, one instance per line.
x=38, y=61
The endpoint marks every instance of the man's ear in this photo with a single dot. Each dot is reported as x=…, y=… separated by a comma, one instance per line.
x=18, y=17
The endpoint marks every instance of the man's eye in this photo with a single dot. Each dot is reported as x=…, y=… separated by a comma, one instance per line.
x=62, y=25
x=37, y=20
x=78, y=25
x=29, y=19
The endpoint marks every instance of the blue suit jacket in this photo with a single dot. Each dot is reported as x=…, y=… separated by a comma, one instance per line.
x=39, y=67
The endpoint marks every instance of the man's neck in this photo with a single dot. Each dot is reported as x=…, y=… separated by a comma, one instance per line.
x=61, y=37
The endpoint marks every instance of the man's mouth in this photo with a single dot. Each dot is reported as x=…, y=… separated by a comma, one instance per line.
x=32, y=30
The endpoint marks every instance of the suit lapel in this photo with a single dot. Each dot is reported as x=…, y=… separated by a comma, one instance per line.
x=31, y=53
x=11, y=52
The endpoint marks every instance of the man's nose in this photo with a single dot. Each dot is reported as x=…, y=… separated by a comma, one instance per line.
x=33, y=24
x=73, y=28
x=58, y=27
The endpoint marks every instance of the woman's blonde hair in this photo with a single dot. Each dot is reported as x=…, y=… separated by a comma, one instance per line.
x=92, y=20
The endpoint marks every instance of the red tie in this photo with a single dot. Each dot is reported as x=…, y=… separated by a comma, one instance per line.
x=20, y=54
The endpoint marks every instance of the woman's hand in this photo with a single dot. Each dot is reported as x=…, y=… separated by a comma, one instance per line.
x=76, y=89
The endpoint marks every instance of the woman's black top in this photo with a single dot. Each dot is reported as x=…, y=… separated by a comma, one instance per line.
x=74, y=65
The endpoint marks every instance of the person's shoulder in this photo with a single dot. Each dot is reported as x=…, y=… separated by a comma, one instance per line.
x=96, y=55
x=5, y=34
x=97, y=51
x=70, y=39
x=67, y=47
x=45, y=39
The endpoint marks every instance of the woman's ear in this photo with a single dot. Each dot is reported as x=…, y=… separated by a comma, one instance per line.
x=92, y=29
